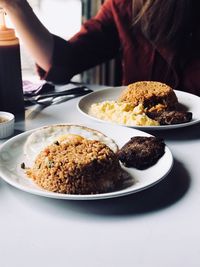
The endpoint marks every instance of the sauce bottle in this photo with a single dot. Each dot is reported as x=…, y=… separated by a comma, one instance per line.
x=11, y=90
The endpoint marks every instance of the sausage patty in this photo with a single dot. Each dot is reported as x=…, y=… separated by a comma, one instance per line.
x=141, y=152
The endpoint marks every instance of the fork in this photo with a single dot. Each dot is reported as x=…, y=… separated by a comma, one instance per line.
x=52, y=100
x=46, y=99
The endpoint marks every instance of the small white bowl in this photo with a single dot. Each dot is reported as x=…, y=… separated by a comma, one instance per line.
x=7, y=121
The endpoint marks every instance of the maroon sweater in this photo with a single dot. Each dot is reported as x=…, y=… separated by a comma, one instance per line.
x=109, y=34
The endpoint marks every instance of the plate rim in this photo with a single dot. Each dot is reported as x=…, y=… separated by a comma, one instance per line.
x=153, y=128
x=42, y=192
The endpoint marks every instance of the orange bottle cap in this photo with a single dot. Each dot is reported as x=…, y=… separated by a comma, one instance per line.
x=8, y=37
x=7, y=34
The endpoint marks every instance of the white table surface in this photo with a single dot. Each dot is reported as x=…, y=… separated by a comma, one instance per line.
x=157, y=227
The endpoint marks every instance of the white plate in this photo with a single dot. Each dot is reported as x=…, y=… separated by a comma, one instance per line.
x=11, y=157
x=191, y=103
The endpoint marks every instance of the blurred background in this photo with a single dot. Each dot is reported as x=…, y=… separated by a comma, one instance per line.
x=64, y=18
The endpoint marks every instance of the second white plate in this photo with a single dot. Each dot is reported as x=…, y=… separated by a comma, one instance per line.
x=189, y=101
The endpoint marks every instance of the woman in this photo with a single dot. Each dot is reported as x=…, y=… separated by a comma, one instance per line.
x=156, y=39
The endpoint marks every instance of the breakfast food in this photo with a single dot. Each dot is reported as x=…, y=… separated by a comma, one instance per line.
x=144, y=103
x=45, y=136
x=154, y=96
x=141, y=152
x=80, y=166
x=121, y=113
x=170, y=117
x=73, y=159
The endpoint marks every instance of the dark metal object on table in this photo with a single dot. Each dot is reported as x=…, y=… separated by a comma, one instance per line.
x=50, y=98
x=44, y=100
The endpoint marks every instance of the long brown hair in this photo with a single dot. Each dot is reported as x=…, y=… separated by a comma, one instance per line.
x=167, y=22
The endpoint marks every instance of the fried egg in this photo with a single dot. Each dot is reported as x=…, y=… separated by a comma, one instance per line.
x=47, y=135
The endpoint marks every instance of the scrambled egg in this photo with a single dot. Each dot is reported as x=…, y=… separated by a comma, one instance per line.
x=121, y=113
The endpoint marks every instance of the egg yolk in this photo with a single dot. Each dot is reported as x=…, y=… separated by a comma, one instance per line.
x=66, y=138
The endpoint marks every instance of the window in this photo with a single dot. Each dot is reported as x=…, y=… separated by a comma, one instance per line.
x=61, y=17
x=64, y=18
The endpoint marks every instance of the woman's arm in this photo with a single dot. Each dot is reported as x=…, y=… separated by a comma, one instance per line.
x=37, y=39
x=58, y=60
